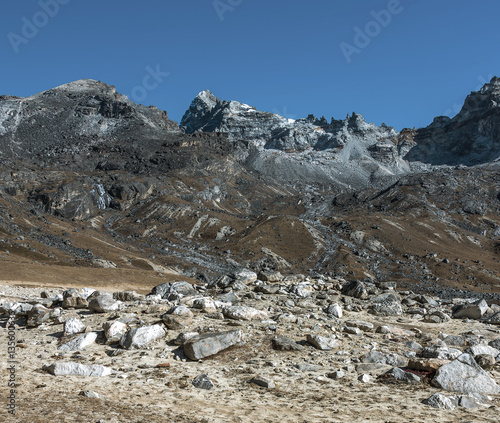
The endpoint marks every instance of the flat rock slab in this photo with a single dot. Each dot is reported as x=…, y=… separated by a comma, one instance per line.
x=244, y=313
x=205, y=345
x=80, y=342
x=77, y=369
x=263, y=381
x=466, y=376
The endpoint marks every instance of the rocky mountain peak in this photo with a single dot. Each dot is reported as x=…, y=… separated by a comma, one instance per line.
x=471, y=137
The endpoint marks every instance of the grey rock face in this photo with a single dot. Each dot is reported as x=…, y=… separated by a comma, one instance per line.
x=76, y=369
x=140, y=337
x=80, y=342
x=77, y=115
x=205, y=345
x=464, y=375
x=331, y=146
x=471, y=137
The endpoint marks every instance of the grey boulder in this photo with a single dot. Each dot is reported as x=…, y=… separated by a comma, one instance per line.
x=464, y=375
x=209, y=344
x=140, y=337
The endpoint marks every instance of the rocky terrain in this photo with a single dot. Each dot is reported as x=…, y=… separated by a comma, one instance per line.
x=321, y=232
x=252, y=348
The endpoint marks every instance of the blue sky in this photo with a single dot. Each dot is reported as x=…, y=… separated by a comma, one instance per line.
x=400, y=62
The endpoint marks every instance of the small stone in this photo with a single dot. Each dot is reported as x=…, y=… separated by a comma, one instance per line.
x=426, y=364
x=364, y=378
x=73, y=325
x=402, y=376
x=339, y=374
x=441, y=401
x=80, y=342
x=334, y=310
x=113, y=331
x=281, y=343
x=323, y=343
x=90, y=394
x=203, y=382
x=263, y=381
x=360, y=324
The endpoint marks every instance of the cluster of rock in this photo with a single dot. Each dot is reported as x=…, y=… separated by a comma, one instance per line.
x=178, y=313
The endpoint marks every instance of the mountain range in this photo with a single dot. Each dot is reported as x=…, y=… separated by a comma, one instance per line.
x=91, y=180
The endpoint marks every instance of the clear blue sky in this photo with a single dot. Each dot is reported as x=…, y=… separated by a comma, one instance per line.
x=277, y=55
